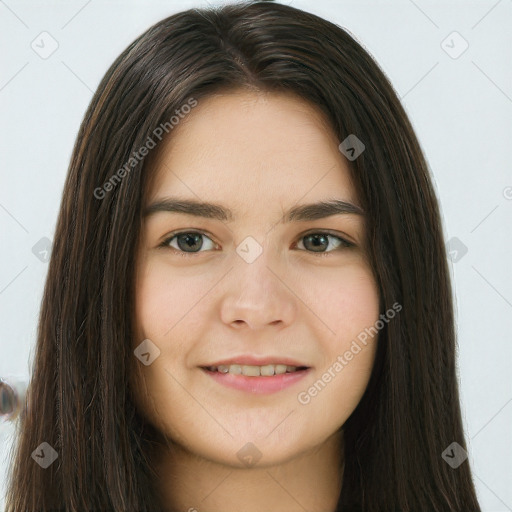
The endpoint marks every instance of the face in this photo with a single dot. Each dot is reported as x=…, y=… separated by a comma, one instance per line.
x=251, y=287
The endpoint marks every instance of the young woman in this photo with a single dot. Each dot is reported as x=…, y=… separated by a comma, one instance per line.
x=248, y=305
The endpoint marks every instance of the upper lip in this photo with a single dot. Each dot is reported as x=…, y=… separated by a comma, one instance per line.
x=252, y=360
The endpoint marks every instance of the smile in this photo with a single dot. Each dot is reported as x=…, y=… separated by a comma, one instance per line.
x=255, y=371
x=257, y=379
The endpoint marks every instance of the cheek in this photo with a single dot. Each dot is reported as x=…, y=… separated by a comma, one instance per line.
x=347, y=301
x=358, y=303
x=154, y=305
x=164, y=297
x=349, y=305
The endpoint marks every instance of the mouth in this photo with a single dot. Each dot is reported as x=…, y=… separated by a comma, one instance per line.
x=269, y=370
x=253, y=379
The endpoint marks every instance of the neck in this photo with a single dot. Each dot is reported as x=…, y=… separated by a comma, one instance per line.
x=310, y=481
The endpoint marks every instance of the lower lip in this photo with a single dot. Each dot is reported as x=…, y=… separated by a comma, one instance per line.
x=259, y=385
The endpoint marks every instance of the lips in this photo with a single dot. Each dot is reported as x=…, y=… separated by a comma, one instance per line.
x=251, y=360
x=257, y=374
x=255, y=371
x=251, y=381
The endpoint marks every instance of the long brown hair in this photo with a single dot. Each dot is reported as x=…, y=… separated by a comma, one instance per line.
x=78, y=400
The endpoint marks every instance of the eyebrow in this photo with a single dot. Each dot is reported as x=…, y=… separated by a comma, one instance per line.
x=305, y=212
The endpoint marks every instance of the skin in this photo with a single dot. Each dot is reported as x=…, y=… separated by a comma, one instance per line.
x=257, y=154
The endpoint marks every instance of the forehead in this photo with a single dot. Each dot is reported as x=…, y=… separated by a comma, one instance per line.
x=246, y=147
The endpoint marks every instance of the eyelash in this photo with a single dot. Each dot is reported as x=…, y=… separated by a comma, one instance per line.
x=345, y=244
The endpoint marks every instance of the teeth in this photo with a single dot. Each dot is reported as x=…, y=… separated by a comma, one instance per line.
x=254, y=371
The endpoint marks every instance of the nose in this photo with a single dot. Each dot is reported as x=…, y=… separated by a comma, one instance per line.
x=257, y=295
